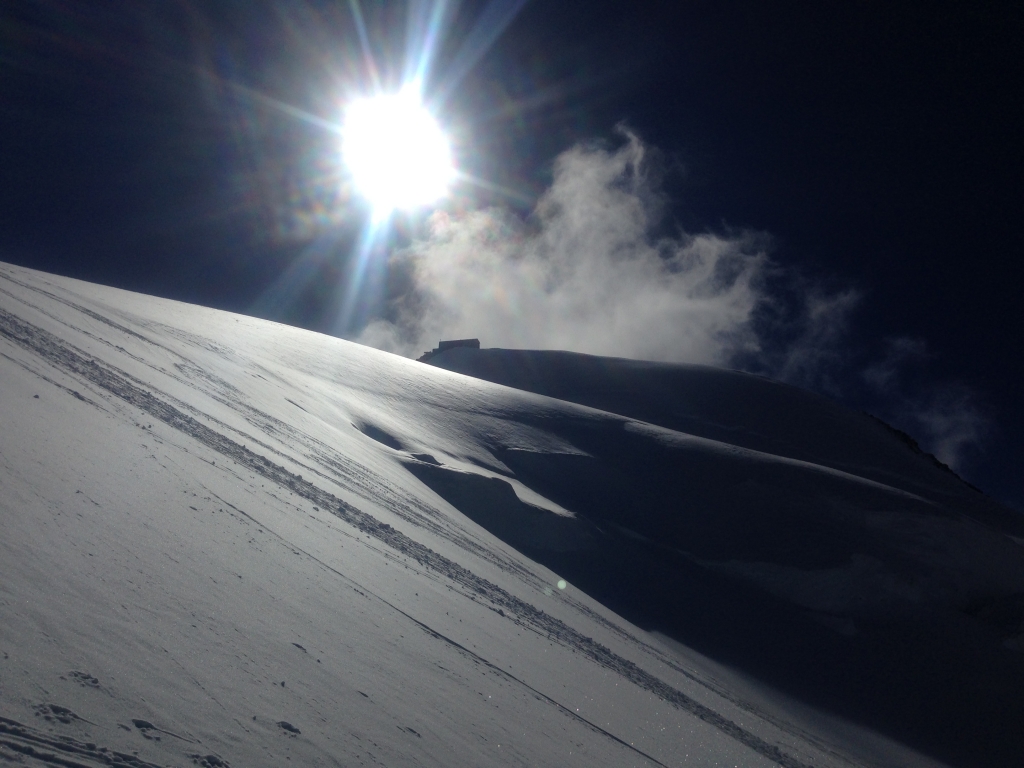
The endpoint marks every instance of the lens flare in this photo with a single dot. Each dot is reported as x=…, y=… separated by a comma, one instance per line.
x=395, y=150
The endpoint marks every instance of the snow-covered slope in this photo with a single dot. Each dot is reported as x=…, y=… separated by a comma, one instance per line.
x=226, y=541
x=732, y=407
x=828, y=509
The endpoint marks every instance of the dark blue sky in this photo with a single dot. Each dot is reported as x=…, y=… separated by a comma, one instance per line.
x=878, y=143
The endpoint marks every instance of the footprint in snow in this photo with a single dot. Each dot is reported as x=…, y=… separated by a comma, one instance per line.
x=54, y=713
x=84, y=679
x=210, y=761
x=150, y=731
x=146, y=728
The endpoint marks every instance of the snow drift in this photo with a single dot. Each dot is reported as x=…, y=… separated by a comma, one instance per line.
x=225, y=541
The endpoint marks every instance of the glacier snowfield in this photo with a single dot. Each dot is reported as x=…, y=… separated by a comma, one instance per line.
x=229, y=542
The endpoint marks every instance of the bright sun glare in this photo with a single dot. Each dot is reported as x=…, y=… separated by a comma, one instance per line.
x=397, y=154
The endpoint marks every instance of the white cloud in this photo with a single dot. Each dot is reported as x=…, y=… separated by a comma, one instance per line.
x=583, y=273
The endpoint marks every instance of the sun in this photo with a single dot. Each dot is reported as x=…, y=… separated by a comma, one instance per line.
x=396, y=152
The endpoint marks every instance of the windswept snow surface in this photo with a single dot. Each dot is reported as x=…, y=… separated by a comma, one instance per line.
x=227, y=542
x=912, y=576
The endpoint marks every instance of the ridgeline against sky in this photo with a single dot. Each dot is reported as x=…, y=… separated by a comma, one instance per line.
x=829, y=195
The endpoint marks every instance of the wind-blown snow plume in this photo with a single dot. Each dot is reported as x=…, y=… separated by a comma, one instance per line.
x=584, y=273
x=952, y=422
x=948, y=418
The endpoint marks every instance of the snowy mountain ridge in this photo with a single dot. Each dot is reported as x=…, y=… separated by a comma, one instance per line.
x=233, y=526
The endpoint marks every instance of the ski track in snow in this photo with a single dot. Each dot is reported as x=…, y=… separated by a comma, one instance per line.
x=27, y=742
